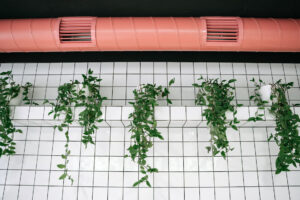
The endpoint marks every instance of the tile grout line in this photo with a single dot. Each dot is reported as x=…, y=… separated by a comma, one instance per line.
x=213, y=164
x=63, y=182
x=74, y=68
x=53, y=138
x=109, y=146
x=254, y=74
x=95, y=145
x=80, y=147
x=123, y=171
x=168, y=157
x=270, y=158
x=286, y=173
x=25, y=144
x=228, y=175
x=297, y=74
x=183, y=171
x=39, y=142
x=241, y=152
x=257, y=175
x=138, y=170
x=8, y=157
x=267, y=143
x=197, y=137
x=223, y=187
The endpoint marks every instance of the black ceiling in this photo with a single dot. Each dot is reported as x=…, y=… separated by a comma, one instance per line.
x=182, y=8
x=242, y=8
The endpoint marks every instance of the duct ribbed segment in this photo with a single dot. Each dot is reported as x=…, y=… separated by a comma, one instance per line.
x=222, y=30
x=75, y=30
x=150, y=34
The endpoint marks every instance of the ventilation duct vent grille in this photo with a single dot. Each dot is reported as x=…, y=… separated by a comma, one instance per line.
x=75, y=30
x=222, y=30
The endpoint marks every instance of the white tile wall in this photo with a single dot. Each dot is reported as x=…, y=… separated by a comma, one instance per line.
x=183, y=167
x=187, y=171
x=120, y=78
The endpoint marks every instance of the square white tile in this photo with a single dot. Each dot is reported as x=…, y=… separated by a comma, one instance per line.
x=160, y=68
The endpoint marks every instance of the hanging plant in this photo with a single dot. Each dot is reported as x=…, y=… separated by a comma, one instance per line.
x=9, y=90
x=261, y=98
x=286, y=133
x=75, y=94
x=92, y=103
x=218, y=97
x=144, y=126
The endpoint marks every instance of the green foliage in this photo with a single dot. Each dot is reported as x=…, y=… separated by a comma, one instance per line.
x=26, y=100
x=84, y=94
x=217, y=96
x=92, y=104
x=8, y=91
x=144, y=126
x=258, y=101
x=287, y=134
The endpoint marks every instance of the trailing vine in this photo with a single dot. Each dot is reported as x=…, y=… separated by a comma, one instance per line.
x=25, y=93
x=256, y=97
x=286, y=133
x=8, y=91
x=144, y=126
x=218, y=97
x=75, y=94
x=92, y=104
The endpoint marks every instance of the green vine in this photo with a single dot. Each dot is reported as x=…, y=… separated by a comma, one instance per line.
x=217, y=96
x=92, y=104
x=258, y=101
x=70, y=96
x=144, y=126
x=8, y=91
x=286, y=133
x=25, y=93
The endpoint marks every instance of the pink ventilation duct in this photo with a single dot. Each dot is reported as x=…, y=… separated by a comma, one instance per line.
x=150, y=34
